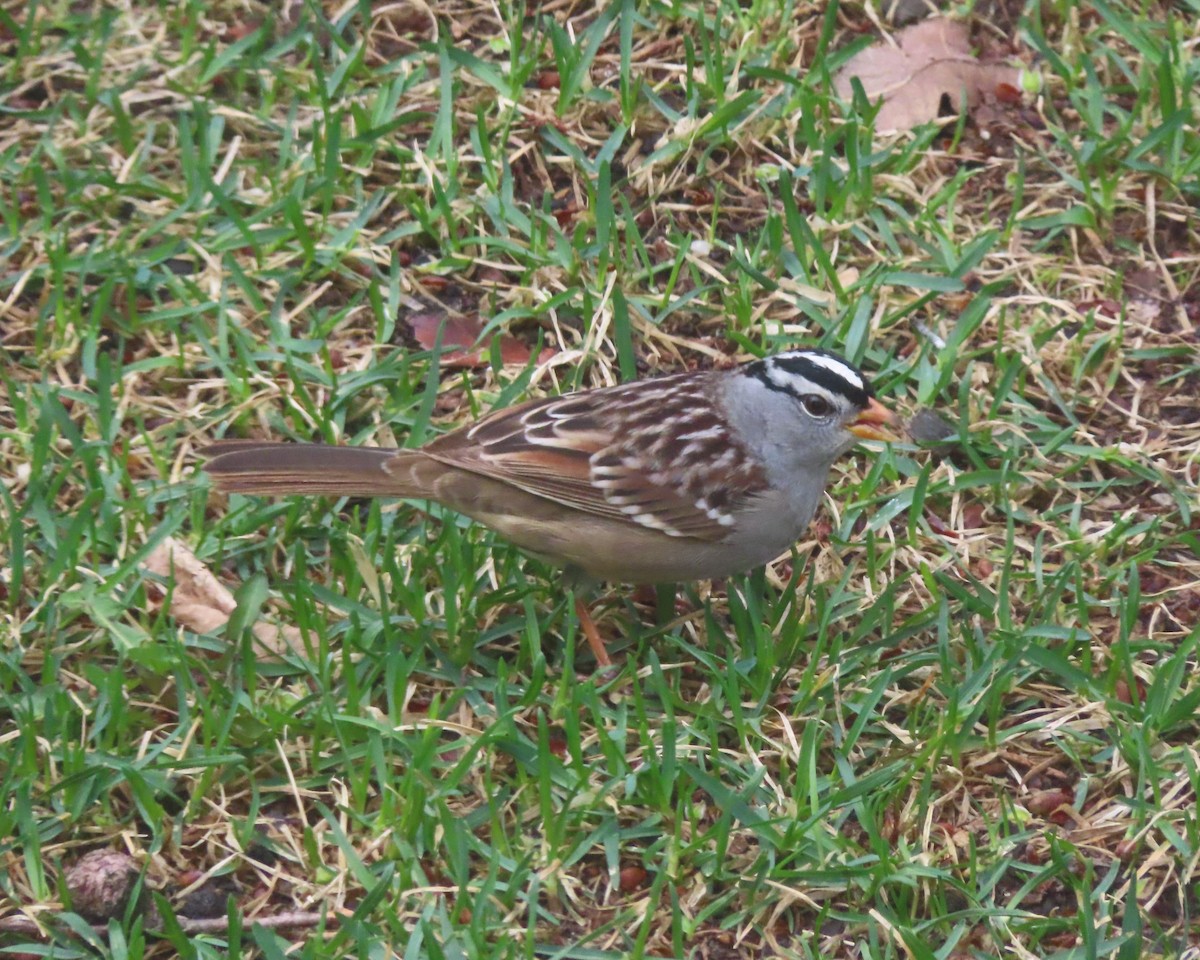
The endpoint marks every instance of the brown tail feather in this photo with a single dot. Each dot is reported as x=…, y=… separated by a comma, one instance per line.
x=280, y=469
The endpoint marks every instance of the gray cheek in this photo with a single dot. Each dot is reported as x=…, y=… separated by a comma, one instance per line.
x=777, y=431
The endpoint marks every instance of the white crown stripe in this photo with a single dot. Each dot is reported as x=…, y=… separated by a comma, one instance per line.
x=835, y=366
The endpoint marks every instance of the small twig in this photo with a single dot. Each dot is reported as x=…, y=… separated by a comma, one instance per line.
x=296, y=918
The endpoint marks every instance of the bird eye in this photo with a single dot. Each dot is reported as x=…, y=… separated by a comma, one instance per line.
x=816, y=406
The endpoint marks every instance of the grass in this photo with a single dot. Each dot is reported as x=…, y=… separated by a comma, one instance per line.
x=960, y=720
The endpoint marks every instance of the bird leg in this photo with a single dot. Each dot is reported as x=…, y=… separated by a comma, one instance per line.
x=595, y=641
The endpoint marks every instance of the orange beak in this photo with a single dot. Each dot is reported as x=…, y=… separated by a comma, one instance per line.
x=869, y=424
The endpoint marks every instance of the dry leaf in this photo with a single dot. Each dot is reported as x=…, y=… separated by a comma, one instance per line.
x=632, y=878
x=202, y=603
x=463, y=333
x=921, y=65
x=1147, y=297
x=1043, y=802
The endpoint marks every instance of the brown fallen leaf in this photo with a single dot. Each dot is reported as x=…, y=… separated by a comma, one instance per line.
x=1041, y=803
x=460, y=341
x=1147, y=296
x=203, y=604
x=917, y=68
x=939, y=526
x=632, y=878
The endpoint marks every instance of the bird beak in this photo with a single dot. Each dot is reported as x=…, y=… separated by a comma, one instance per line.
x=869, y=425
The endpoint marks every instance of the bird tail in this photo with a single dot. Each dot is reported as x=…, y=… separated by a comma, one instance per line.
x=281, y=469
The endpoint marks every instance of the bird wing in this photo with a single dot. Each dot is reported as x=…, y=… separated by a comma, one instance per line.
x=657, y=456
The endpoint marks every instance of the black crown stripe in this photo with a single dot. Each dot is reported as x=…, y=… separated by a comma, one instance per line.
x=799, y=364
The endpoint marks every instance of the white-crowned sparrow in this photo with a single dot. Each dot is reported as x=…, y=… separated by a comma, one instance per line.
x=681, y=477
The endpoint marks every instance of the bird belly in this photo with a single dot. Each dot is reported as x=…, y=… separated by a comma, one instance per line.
x=611, y=552
x=620, y=551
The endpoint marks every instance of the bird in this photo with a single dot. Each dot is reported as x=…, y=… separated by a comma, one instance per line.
x=679, y=477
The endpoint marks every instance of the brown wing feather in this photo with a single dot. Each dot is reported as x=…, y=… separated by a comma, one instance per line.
x=606, y=453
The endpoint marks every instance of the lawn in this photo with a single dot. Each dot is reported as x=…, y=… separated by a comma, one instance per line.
x=958, y=720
